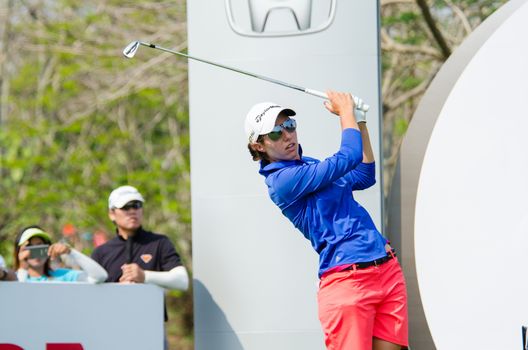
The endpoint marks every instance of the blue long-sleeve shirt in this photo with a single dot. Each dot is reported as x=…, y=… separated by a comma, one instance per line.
x=316, y=196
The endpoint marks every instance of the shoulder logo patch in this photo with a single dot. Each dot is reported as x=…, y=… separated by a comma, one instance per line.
x=146, y=258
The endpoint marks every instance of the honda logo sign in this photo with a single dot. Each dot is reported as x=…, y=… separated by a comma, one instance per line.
x=267, y=18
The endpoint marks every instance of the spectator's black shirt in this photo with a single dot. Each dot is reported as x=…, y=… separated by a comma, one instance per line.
x=151, y=251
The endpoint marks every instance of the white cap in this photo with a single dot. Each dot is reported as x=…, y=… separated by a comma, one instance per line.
x=122, y=195
x=33, y=232
x=261, y=118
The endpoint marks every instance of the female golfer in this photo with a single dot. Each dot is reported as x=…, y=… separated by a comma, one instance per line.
x=362, y=296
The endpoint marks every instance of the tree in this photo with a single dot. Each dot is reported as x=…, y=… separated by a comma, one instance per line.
x=77, y=120
x=417, y=37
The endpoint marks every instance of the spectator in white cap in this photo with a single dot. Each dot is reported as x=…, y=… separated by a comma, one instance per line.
x=136, y=255
x=34, y=251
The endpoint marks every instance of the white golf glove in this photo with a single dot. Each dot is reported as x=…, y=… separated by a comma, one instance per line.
x=359, y=111
x=361, y=116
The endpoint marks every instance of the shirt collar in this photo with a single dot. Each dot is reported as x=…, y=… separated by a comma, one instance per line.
x=267, y=168
x=137, y=235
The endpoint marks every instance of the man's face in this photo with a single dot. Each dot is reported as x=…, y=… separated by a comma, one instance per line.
x=129, y=217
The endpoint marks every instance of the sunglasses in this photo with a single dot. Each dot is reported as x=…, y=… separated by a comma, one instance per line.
x=289, y=125
x=132, y=205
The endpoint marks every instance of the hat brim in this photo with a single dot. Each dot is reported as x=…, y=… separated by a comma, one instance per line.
x=269, y=122
x=33, y=232
x=123, y=200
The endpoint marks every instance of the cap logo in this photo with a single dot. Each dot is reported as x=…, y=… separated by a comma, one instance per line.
x=258, y=118
x=146, y=258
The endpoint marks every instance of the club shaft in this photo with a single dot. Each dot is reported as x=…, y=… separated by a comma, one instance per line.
x=359, y=103
x=271, y=80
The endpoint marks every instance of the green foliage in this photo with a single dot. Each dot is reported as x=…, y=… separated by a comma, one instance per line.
x=410, y=82
x=401, y=126
x=408, y=17
x=82, y=120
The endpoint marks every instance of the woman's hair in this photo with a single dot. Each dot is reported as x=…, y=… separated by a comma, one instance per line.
x=16, y=251
x=257, y=155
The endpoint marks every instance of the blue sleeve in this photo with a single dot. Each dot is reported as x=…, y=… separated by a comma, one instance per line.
x=362, y=177
x=295, y=182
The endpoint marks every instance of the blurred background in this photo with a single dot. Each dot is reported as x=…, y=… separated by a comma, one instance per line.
x=77, y=119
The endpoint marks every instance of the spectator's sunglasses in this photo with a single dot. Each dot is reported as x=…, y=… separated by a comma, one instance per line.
x=289, y=125
x=132, y=205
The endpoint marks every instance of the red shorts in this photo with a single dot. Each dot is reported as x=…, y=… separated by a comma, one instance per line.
x=357, y=305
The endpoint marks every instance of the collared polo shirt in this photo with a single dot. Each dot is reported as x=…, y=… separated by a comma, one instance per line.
x=316, y=196
x=151, y=251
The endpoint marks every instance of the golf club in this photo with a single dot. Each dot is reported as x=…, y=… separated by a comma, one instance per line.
x=132, y=48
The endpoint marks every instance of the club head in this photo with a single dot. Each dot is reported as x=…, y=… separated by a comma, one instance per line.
x=131, y=49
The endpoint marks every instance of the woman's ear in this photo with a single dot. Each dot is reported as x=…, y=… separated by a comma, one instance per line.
x=258, y=147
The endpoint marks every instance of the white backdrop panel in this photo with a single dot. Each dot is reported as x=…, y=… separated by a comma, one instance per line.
x=471, y=218
x=255, y=276
x=106, y=316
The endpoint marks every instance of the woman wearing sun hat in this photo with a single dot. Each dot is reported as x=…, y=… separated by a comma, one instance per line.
x=362, y=296
x=38, y=269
